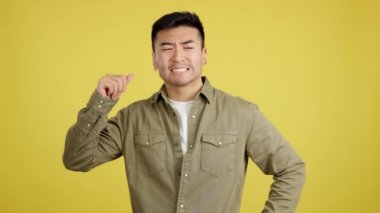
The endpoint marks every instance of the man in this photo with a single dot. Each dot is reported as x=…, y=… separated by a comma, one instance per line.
x=186, y=148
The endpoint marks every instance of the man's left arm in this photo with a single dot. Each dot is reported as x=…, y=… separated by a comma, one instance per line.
x=274, y=156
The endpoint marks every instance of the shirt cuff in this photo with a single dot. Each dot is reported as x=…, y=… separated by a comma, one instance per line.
x=100, y=104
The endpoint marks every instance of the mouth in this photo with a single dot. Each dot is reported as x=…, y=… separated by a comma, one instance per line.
x=179, y=69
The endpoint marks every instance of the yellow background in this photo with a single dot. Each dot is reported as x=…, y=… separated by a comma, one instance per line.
x=313, y=67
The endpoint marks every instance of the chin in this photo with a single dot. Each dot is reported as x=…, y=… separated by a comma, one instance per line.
x=179, y=83
x=184, y=82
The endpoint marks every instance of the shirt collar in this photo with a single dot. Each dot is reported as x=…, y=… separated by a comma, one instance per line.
x=206, y=92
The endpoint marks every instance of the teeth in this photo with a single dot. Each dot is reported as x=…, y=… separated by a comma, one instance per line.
x=180, y=69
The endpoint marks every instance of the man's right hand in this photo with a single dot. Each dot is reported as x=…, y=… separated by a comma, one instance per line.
x=113, y=85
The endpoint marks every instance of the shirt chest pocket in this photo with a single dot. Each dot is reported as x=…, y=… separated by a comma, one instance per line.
x=218, y=153
x=150, y=153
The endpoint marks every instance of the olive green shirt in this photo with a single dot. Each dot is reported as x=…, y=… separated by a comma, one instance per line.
x=223, y=132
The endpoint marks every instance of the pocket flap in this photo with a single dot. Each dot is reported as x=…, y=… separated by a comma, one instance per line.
x=149, y=139
x=219, y=139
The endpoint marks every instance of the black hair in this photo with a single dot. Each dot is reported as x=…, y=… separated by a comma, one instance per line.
x=177, y=19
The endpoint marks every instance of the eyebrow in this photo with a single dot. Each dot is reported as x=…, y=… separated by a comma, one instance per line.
x=187, y=42
x=172, y=43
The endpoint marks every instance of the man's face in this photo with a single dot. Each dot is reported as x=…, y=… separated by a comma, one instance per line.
x=179, y=56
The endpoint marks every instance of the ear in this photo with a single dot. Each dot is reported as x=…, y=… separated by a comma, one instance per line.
x=154, y=61
x=204, y=55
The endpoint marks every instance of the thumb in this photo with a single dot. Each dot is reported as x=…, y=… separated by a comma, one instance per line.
x=128, y=78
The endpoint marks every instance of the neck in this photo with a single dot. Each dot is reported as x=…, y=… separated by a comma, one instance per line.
x=184, y=93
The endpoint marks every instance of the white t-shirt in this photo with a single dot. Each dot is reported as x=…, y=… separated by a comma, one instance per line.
x=182, y=109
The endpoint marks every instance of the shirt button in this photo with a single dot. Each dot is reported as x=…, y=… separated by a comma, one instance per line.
x=220, y=142
x=89, y=125
x=186, y=175
x=147, y=143
x=193, y=116
x=182, y=206
x=101, y=101
x=191, y=146
x=99, y=106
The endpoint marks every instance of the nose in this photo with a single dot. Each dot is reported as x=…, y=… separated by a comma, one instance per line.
x=177, y=54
